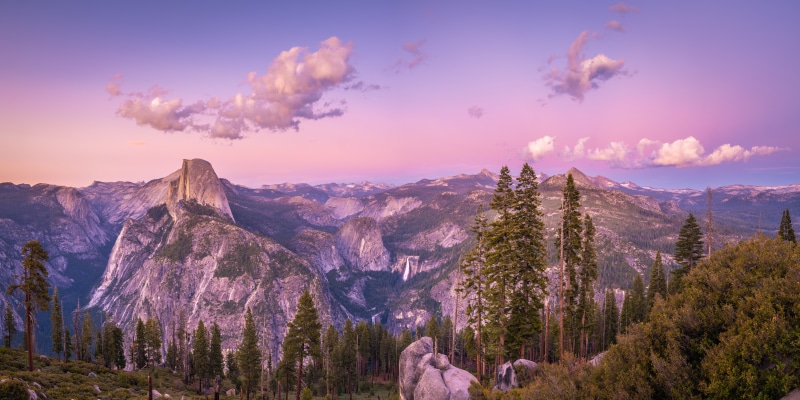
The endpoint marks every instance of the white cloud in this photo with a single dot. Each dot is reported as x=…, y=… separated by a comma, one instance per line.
x=581, y=74
x=475, y=111
x=539, y=148
x=576, y=152
x=417, y=56
x=290, y=90
x=681, y=153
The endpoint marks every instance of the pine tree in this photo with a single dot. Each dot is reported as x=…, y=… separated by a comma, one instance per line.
x=303, y=337
x=349, y=356
x=249, y=356
x=33, y=283
x=152, y=334
x=500, y=248
x=139, y=356
x=87, y=337
x=57, y=325
x=329, y=345
x=200, y=354
x=9, y=325
x=233, y=370
x=611, y=320
x=446, y=336
x=570, y=244
x=527, y=266
x=113, y=345
x=215, y=358
x=688, y=250
x=786, y=230
x=588, y=276
x=638, y=300
x=658, y=282
x=473, y=284
x=68, y=348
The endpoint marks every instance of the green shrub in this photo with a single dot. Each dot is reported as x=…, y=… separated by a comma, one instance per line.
x=13, y=389
x=306, y=394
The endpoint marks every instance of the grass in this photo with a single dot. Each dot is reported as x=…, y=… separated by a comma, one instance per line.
x=72, y=380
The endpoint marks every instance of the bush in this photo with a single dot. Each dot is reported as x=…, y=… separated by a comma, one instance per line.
x=13, y=390
x=306, y=394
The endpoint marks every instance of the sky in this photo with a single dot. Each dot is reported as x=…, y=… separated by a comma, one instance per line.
x=681, y=94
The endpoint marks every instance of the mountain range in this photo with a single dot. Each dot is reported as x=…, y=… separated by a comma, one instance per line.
x=194, y=244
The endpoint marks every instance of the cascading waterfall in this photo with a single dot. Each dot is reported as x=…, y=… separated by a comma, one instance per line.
x=408, y=269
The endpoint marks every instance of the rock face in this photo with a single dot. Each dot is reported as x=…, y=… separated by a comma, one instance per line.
x=360, y=244
x=425, y=376
x=198, y=182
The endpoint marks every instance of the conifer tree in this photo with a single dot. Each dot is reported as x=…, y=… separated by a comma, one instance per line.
x=588, y=276
x=432, y=329
x=349, y=356
x=153, y=337
x=303, y=337
x=569, y=243
x=249, y=356
x=446, y=336
x=528, y=262
x=33, y=284
x=139, y=356
x=68, y=348
x=233, y=369
x=638, y=300
x=113, y=345
x=500, y=248
x=611, y=320
x=200, y=354
x=786, y=230
x=9, y=325
x=689, y=247
x=87, y=337
x=626, y=316
x=215, y=358
x=57, y=325
x=473, y=284
x=658, y=282
x=329, y=344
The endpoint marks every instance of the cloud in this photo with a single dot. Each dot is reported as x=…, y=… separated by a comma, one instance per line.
x=539, y=148
x=581, y=74
x=113, y=87
x=576, y=152
x=290, y=90
x=416, y=53
x=615, y=25
x=475, y=111
x=681, y=153
x=623, y=8
x=361, y=86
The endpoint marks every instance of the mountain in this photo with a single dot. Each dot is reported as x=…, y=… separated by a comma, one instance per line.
x=194, y=243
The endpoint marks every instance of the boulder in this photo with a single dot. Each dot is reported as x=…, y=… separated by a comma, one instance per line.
x=97, y=388
x=425, y=376
x=793, y=395
x=92, y=375
x=231, y=392
x=506, y=377
x=156, y=394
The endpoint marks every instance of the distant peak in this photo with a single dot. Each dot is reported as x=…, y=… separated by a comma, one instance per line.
x=196, y=180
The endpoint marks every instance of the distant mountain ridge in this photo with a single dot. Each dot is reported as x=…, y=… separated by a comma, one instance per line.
x=192, y=241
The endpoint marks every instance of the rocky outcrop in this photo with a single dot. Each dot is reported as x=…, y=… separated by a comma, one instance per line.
x=343, y=207
x=506, y=377
x=425, y=376
x=198, y=182
x=360, y=244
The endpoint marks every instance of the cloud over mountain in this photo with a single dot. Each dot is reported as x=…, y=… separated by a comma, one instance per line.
x=290, y=90
x=582, y=74
x=681, y=153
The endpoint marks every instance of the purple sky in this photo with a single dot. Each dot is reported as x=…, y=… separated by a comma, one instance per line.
x=666, y=94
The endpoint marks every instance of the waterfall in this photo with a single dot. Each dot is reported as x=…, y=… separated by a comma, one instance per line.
x=408, y=269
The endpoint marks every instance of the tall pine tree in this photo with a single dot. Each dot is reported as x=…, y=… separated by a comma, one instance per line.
x=303, y=337
x=249, y=356
x=588, y=276
x=658, y=282
x=570, y=244
x=200, y=355
x=33, y=284
x=215, y=358
x=688, y=250
x=57, y=325
x=474, y=285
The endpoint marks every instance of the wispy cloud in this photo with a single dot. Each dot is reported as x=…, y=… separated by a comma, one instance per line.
x=417, y=56
x=582, y=74
x=290, y=90
x=623, y=8
x=615, y=25
x=475, y=111
x=647, y=153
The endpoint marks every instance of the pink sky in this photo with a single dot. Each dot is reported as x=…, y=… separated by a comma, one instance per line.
x=398, y=93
